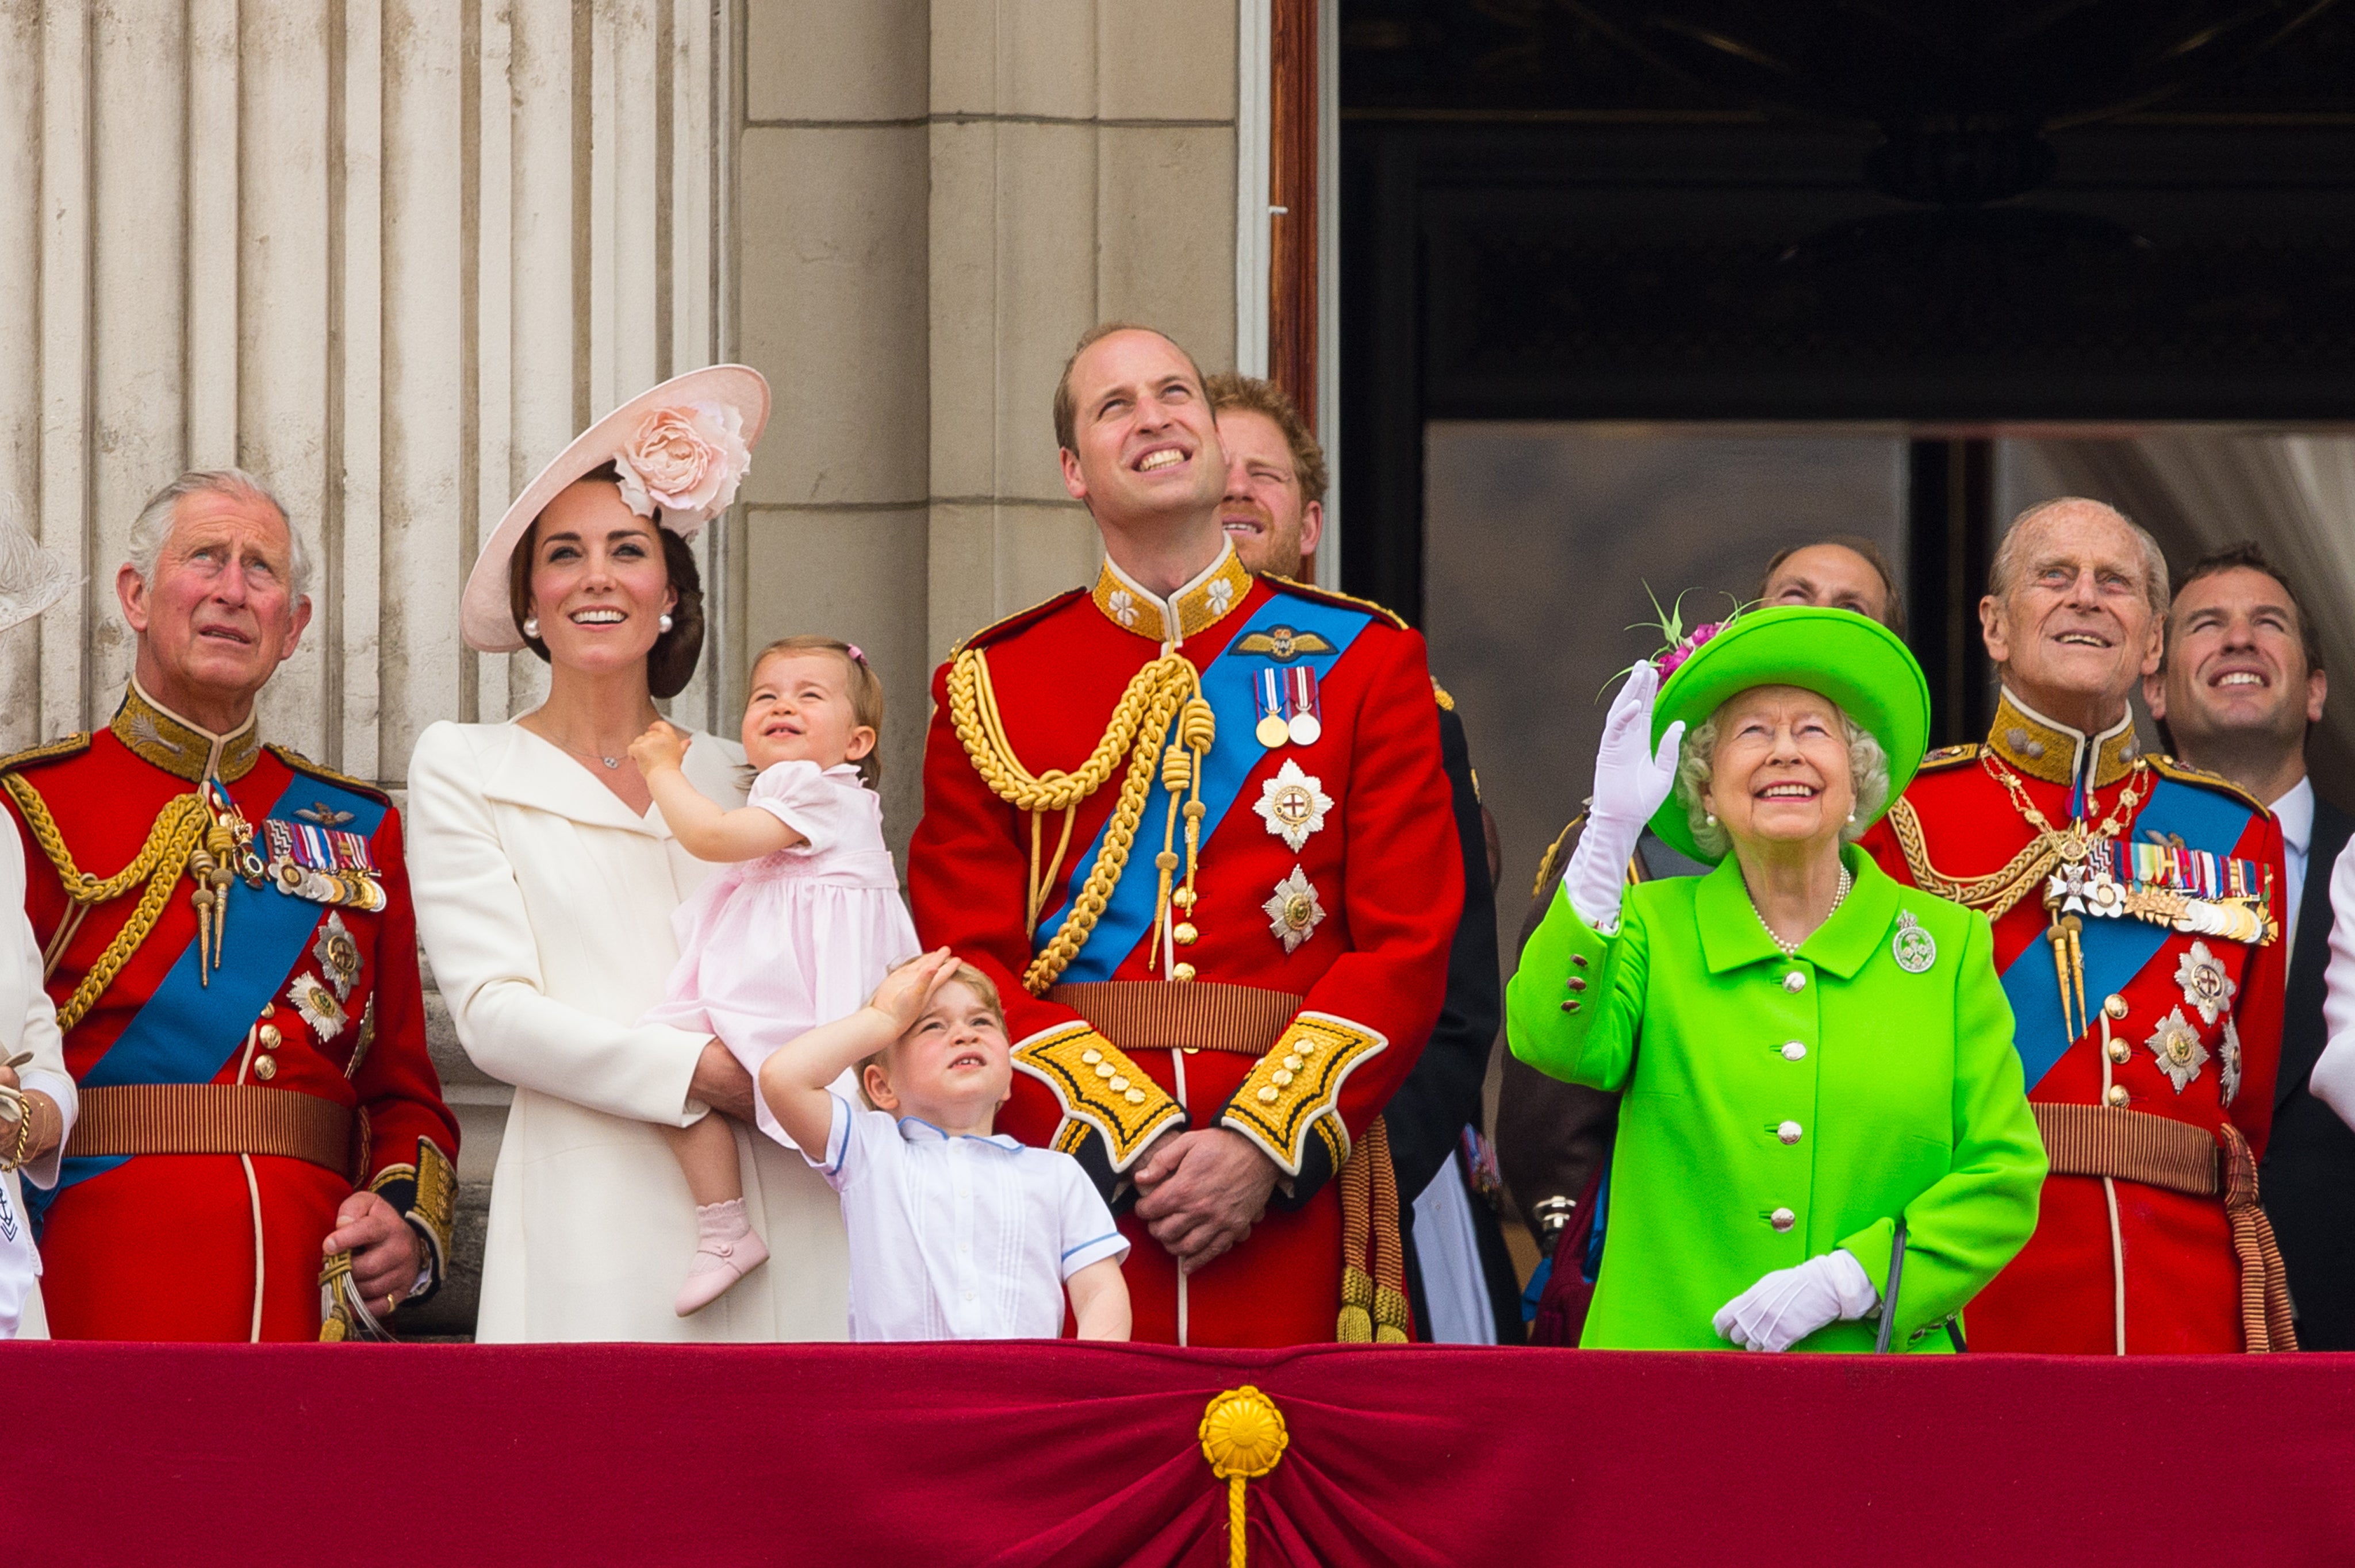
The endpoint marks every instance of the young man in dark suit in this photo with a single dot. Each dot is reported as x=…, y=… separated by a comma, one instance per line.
x=2240, y=684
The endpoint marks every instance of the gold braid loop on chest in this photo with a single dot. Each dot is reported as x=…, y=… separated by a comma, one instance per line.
x=2026, y=872
x=1165, y=692
x=179, y=829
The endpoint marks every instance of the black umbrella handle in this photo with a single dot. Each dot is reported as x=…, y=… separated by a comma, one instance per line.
x=1888, y=1297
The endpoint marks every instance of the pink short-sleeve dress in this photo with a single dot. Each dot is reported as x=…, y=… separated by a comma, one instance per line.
x=771, y=948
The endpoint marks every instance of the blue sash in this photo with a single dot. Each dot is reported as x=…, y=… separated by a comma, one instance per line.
x=188, y=1030
x=1227, y=686
x=2116, y=949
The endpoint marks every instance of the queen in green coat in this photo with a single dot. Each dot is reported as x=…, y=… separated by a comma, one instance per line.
x=1811, y=1054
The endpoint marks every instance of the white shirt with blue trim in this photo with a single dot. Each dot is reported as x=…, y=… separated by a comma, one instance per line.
x=958, y=1237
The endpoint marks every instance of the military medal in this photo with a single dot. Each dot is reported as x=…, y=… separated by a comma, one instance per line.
x=317, y=1004
x=1293, y=913
x=2228, y=1058
x=1305, y=723
x=2176, y=1045
x=2206, y=987
x=326, y=866
x=338, y=955
x=1293, y=804
x=1267, y=695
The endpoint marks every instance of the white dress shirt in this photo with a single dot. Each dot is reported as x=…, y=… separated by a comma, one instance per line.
x=2294, y=812
x=963, y=1237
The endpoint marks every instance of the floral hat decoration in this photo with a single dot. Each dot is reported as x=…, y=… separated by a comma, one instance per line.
x=1837, y=653
x=680, y=452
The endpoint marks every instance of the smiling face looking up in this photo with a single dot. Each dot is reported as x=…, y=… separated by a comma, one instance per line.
x=2237, y=692
x=1144, y=448
x=219, y=613
x=598, y=584
x=1780, y=772
x=1272, y=526
x=800, y=710
x=2075, y=620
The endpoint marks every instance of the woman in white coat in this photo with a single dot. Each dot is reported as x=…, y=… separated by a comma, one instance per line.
x=545, y=879
x=37, y=1103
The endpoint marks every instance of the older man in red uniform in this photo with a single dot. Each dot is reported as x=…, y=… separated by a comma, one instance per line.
x=262, y=1151
x=1195, y=825
x=2136, y=904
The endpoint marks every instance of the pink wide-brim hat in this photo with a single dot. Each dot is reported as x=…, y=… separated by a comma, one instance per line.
x=485, y=618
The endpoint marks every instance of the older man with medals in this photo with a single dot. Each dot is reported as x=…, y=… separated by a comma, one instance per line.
x=262, y=1151
x=2137, y=906
x=1196, y=826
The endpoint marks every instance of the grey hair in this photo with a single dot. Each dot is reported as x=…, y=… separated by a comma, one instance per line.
x=154, y=524
x=2003, y=572
x=1868, y=773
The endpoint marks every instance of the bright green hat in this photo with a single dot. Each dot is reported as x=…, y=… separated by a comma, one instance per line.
x=1855, y=661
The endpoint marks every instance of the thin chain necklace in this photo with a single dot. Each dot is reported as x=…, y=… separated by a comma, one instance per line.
x=1791, y=949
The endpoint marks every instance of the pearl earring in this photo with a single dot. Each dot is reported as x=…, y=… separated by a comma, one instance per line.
x=531, y=627
x=1711, y=817
x=1851, y=816
x=664, y=624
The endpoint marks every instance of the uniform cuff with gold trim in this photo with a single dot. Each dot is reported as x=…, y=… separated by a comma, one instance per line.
x=1100, y=1092
x=425, y=1195
x=1294, y=1091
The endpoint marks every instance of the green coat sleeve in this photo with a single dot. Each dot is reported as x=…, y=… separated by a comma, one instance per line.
x=1580, y=1033
x=1969, y=1224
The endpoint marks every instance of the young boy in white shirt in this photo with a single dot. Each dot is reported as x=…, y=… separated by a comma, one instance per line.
x=956, y=1232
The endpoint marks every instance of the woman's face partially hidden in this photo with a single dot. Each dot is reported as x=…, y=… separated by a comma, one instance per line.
x=599, y=586
x=1780, y=773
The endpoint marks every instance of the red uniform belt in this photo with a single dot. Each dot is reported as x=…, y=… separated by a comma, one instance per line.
x=1190, y=1015
x=2135, y=1146
x=213, y=1118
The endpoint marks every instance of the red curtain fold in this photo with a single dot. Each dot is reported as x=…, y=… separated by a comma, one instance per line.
x=1076, y=1455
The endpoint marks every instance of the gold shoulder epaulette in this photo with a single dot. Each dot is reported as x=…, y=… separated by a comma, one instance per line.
x=54, y=751
x=1018, y=621
x=302, y=764
x=2166, y=767
x=1949, y=756
x=1439, y=695
x=1553, y=855
x=1330, y=596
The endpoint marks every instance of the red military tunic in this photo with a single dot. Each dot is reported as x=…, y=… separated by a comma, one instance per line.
x=2180, y=1026
x=1327, y=892
x=223, y=1245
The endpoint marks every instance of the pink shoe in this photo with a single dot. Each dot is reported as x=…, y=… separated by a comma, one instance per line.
x=726, y=1248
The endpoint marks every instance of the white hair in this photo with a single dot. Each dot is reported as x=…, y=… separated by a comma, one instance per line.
x=1868, y=773
x=2003, y=572
x=153, y=524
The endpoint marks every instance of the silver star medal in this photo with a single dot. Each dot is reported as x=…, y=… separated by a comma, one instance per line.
x=2176, y=1045
x=1293, y=914
x=2229, y=1055
x=2205, y=985
x=1294, y=804
x=1913, y=948
x=318, y=1006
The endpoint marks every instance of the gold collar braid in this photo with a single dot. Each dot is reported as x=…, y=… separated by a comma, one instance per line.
x=162, y=738
x=1165, y=692
x=179, y=828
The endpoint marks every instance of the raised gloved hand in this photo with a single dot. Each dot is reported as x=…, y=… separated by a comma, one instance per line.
x=1631, y=780
x=1789, y=1304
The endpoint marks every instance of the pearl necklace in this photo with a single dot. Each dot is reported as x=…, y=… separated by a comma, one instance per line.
x=1791, y=949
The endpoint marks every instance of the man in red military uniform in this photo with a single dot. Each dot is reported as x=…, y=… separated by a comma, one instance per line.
x=1196, y=826
x=2136, y=904
x=233, y=957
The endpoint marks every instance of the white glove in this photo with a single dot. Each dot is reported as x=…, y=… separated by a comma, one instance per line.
x=1786, y=1305
x=1631, y=781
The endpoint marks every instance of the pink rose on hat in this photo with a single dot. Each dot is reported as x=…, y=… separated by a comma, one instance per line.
x=689, y=460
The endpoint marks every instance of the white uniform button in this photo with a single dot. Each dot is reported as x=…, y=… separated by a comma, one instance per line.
x=1782, y=1219
x=1788, y=1132
x=1793, y=1051
x=1794, y=982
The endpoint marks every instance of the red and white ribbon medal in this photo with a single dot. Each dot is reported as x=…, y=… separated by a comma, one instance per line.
x=1308, y=716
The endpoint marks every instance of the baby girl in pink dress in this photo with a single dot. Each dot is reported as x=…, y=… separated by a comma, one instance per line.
x=803, y=923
